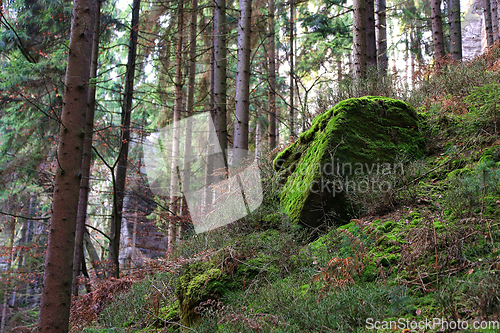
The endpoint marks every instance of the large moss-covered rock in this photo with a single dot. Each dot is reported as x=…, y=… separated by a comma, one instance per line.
x=357, y=136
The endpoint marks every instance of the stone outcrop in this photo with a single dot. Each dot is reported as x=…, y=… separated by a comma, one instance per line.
x=356, y=137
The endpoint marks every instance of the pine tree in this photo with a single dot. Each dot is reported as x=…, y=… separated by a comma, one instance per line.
x=56, y=295
x=242, y=83
x=437, y=30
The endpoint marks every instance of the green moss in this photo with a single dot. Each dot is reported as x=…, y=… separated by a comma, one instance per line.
x=367, y=131
x=198, y=282
x=263, y=263
x=386, y=227
x=370, y=272
x=438, y=225
x=171, y=312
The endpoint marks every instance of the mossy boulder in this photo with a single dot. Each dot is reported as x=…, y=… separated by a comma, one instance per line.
x=199, y=282
x=358, y=136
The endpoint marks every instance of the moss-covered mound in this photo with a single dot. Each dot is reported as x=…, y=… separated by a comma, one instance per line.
x=359, y=136
x=198, y=282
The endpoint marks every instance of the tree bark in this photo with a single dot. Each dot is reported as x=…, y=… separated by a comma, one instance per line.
x=174, y=176
x=220, y=86
x=494, y=18
x=186, y=166
x=87, y=157
x=371, y=43
x=381, y=30
x=93, y=256
x=359, y=39
x=12, y=227
x=272, y=79
x=488, y=22
x=437, y=29
x=242, y=83
x=122, y=162
x=291, y=123
x=56, y=294
x=210, y=161
x=455, y=30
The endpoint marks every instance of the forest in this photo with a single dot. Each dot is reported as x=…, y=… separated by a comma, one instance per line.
x=249, y=166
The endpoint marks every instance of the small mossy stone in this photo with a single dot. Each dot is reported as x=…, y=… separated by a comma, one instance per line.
x=197, y=283
x=358, y=133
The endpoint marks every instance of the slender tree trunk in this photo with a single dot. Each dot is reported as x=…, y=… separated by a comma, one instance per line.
x=122, y=162
x=339, y=68
x=371, y=43
x=272, y=79
x=242, y=83
x=93, y=256
x=186, y=167
x=455, y=30
x=488, y=21
x=278, y=113
x=494, y=18
x=209, y=167
x=220, y=85
x=12, y=230
x=174, y=177
x=381, y=30
x=87, y=157
x=437, y=29
x=56, y=294
x=292, y=69
x=258, y=135
x=359, y=39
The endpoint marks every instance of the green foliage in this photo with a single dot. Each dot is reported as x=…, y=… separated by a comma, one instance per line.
x=145, y=304
x=485, y=104
x=293, y=310
x=471, y=188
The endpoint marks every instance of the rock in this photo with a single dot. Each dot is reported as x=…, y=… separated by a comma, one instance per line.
x=359, y=136
x=199, y=282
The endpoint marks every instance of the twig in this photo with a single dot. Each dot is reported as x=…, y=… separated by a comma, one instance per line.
x=26, y=217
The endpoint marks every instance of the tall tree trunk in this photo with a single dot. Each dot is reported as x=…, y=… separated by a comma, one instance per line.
x=93, y=256
x=220, y=64
x=87, y=157
x=339, y=68
x=210, y=164
x=258, y=135
x=455, y=30
x=437, y=29
x=488, y=22
x=381, y=29
x=186, y=167
x=12, y=227
x=220, y=92
x=242, y=83
x=56, y=294
x=292, y=69
x=494, y=18
x=271, y=115
x=359, y=39
x=174, y=177
x=371, y=43
x=122, y=162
